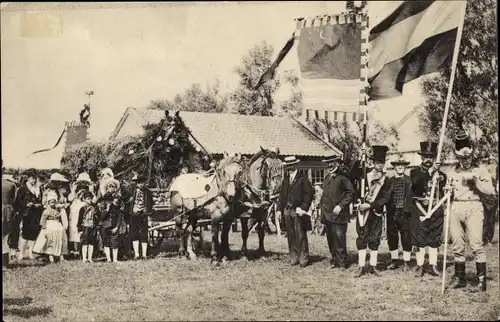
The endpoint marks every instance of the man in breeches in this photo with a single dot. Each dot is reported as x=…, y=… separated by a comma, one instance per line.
x=396, y=196
x=370, y=233
x=466, y=221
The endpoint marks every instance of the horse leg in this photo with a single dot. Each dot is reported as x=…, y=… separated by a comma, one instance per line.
x=244, y=237
x=261, y=230
x=215, y=239
x=189, y=235
x=226, y=226
x=180, y=233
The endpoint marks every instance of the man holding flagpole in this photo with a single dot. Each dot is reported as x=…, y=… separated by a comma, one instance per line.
x=426, y=231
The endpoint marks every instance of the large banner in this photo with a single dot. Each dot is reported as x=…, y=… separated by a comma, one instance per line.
x=332, y=54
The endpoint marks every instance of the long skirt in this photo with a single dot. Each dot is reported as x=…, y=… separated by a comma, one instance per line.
x=74, y=212
x=52, y=240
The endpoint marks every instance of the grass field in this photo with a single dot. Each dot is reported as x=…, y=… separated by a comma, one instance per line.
x=170, y=288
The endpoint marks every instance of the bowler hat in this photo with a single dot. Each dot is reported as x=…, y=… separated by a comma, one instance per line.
x=332, y=158
x=379, y=152
x=290, y=160
x=428, y=148
x=400, y=160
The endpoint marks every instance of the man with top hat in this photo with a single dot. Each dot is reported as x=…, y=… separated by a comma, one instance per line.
x=466, y=220
x=338, y=194
x=294, y=201
x=396, y=196
x=427, y=232
x=370, y=233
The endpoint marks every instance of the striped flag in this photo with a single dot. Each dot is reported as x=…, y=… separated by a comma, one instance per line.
x=416, y=39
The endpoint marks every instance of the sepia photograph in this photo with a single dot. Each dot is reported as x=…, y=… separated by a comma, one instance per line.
x=250, y=160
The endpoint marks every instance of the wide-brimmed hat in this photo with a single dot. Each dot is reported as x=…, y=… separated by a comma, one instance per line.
x=51, y=195
x=290, y=160
x=400, y=160
x=83, y=177
x=463, y=146
x=428, y=148
x=56, y=176
x=332, y=158
x=379, y=153
x=31, y=173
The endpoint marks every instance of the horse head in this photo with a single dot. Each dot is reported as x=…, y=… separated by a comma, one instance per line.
x=266, y=172
x=228, y=175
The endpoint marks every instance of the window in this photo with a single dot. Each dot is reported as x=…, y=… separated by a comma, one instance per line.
x=345, y=116
x=316, y=114
x=354, y=117
x=361, y=117
x=326, y=115
x=317, y=175
x=307, y=114
x=335, y=115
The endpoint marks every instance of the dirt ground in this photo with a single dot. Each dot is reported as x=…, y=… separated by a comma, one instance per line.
x=267, y=288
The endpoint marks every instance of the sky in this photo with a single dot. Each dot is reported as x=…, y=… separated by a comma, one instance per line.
x=130, y=54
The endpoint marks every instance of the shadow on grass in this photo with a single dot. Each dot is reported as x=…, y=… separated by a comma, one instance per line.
x=21, y=308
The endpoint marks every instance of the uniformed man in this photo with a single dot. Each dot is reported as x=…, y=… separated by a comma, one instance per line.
x=338, y=194
x=468, y=182
x=396, y=195
x=370, y=233
x=427, y=231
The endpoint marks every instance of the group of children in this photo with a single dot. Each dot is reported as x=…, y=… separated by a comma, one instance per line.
x=81, y=218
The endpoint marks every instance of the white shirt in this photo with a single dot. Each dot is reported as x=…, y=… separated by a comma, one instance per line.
x=292, y=175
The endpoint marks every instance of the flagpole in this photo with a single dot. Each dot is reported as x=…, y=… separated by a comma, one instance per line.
x=448, y=101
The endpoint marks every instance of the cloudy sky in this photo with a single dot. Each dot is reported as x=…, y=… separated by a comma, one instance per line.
x=130, y=54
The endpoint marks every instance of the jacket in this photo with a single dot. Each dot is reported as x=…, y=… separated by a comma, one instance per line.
x=298, y=193
x=338, y=190
x=87, y=217
x=386, y=195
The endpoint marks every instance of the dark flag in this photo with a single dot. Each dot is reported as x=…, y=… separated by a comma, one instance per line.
x=269, y=74
x=57, y=143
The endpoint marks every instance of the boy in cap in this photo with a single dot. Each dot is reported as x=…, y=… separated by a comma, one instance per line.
x=396, y=196
x=139, y=217
x=468, y=182
x=370, y=233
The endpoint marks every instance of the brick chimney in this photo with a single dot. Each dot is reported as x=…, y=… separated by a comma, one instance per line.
x=76, y=133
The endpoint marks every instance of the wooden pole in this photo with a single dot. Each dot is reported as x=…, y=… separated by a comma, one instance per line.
x=448, y=101
x=447, y=226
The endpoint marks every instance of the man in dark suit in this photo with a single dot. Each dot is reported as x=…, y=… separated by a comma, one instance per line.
x=338, y=193
x=294, y=202
x=396, y=196
x=427, y=231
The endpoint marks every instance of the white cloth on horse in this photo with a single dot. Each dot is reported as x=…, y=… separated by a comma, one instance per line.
x=191, y=185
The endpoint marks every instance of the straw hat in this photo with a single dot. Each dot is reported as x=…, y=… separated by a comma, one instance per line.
x=290, y=160
x=56, y=176
x=83, y=177
x=332, y=158
x=400, y=160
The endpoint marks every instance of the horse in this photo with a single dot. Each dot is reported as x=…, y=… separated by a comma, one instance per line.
x=197, y=196
x=262, y=184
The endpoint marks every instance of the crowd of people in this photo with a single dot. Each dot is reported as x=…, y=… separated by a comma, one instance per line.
x=70, y=219
x=404, y=200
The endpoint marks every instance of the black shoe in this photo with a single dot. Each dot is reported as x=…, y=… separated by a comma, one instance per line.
x=481, y=276
x=419, y=271
x=374, y=271
x=434, y=271
x=406, y=266
x=393, y=265
x=459, y=278
x=302, y=265
x=360, y=272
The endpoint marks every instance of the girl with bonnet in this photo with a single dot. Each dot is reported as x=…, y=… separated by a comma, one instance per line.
x=52, y=239
x=82, y=184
